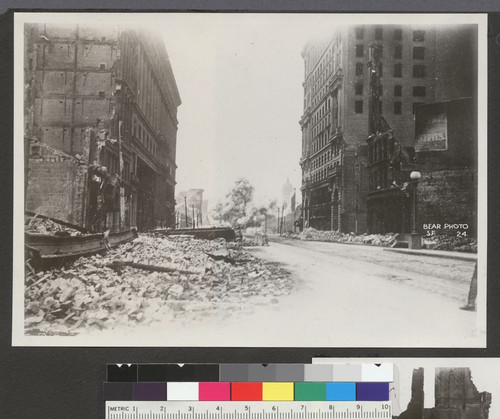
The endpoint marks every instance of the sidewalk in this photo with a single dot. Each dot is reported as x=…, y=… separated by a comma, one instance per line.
x=445, y=254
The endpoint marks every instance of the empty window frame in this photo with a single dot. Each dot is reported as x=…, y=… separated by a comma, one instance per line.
x=418, y=53
x=360, y=32
x=359, y=69
x=398, y=52
x=419, y=91
x=398, y=34
x=419, y=70
x=358, y=106
x=397, y=108
x=418, y=36
x=398, y=70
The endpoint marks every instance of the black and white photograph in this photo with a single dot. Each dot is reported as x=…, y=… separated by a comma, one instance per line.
x=250, y=180
x=439, y=388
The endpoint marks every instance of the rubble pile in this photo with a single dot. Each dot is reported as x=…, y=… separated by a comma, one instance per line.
x=453, y=243
x=151, y=279
x=259, y=239
x=387, y=240
x=47, y=226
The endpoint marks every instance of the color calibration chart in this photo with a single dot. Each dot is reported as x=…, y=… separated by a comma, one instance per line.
x=247, y=391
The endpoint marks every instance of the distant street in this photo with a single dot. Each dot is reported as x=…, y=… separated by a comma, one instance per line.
x=344, y=295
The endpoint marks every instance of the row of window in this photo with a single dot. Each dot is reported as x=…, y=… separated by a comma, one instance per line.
x=321, y=112
x=320, y=137
x=419, y=70
x=397, y=107
x=324, y=158
x=378, y=34
x=321, y=140
x=323, y=173
x=418, y=53
x=142, y=135
x=381, y=149
x=417, y=91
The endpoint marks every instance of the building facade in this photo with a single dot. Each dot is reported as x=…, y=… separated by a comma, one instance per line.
x=100, y=126
x=446, y=150
x=455, y=396
x=416, y=65
x=392, y=158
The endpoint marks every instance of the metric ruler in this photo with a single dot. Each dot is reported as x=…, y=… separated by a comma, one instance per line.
x=248, y=410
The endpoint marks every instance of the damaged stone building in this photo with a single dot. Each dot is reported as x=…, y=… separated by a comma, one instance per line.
x=100, y=126
x=346, y=182
x=455, y=396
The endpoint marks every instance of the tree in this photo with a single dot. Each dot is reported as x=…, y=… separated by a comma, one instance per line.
x=236, y=209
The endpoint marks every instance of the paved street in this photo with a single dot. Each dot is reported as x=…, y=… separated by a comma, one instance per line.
x=362, y=295
x=344, y=295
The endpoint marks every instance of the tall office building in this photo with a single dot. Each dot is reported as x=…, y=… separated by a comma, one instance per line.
x=416, y=65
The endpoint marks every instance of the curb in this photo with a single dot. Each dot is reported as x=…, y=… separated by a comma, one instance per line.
x=467, y=257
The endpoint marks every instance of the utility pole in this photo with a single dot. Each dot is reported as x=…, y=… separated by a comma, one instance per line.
x=121, y=215
x=185, y=211
x=278, y=227
x=194, y=219
x=282, y=218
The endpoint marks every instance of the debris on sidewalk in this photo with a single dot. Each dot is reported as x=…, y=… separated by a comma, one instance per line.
x=150, y=279
x=453, y=243
x=387, y=240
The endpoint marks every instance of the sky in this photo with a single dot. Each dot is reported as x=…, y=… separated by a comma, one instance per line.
x=240, y=81
x=240, y=77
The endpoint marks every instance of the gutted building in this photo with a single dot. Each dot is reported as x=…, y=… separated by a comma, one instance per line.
x=100, y=126
x=455, y=395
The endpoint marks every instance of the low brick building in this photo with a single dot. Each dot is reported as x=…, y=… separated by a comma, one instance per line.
x=446, y=156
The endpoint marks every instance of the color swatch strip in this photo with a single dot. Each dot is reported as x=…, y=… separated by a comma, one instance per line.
x=246, y=391
x=250, y=372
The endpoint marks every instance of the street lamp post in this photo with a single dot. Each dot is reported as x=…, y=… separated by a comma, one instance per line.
x=416, y=240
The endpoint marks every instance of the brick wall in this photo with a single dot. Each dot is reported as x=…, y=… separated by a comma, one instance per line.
x=438, y=189
x=57, y=189
x=447, y=191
